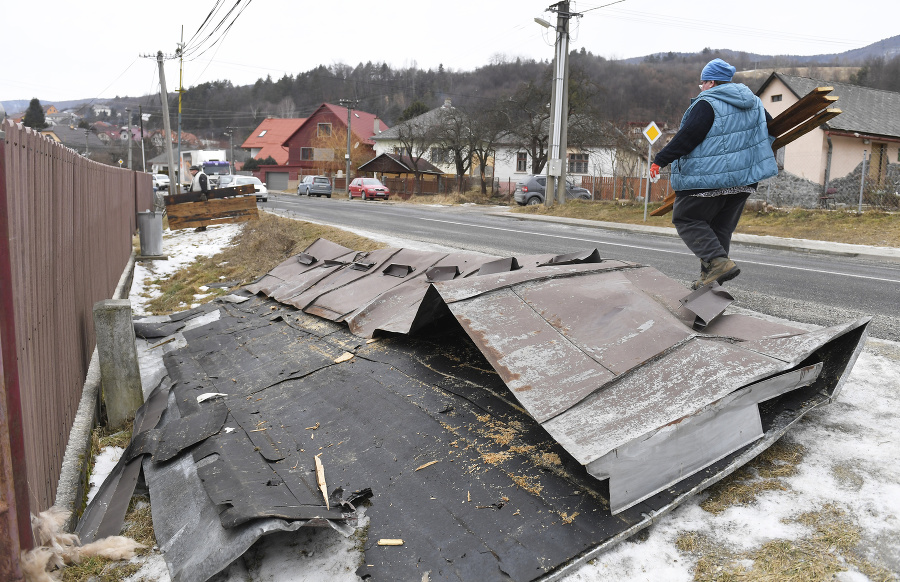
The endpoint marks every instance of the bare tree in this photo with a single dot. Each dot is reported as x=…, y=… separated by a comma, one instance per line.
x=416, y=136
x=528, y=115
x=452, y=130
x=286, y=108
x=487, y=127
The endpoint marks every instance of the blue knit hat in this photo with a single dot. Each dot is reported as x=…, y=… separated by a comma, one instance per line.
x=717, y=70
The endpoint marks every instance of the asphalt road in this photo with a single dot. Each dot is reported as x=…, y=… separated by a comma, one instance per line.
x=816, y=288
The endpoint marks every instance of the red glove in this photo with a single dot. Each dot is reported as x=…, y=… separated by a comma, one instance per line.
x=654, y=171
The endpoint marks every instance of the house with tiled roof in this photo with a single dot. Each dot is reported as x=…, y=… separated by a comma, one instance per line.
x=830, y=157
x=268, y=139
x=318, y=146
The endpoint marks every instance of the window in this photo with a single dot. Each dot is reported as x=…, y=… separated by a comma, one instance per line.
x=262, y=133
x=323, y=130
x=401, y=151
x=306, y=154
x=521, y=162
x=776, y=98
x=578, y=163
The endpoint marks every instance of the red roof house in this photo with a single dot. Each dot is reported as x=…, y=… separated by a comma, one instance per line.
x=268, y=139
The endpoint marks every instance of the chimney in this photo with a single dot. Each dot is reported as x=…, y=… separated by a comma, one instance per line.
x=447, y=104
x=377, y=126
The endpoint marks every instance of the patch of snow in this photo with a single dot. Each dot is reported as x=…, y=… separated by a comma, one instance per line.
x=103, y=466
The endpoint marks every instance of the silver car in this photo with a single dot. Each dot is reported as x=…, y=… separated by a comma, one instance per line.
x=314, y=186
x=530, y=191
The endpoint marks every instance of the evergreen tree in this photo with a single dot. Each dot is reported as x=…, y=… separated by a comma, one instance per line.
x=34, y=116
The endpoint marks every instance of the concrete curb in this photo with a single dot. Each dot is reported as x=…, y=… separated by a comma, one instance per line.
x=772, y=242
x=73, y=482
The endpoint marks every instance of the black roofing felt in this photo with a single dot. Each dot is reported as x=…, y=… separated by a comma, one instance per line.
x=502, y=501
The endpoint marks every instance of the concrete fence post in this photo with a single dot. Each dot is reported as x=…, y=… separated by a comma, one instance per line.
x=120, y=375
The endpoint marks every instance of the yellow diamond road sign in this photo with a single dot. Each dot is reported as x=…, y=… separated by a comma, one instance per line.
x=652, y=133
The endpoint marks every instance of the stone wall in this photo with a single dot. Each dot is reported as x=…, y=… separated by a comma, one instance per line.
x=788, y=190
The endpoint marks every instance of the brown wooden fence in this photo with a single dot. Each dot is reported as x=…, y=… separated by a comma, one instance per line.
x=624, y=188
x=66, y=225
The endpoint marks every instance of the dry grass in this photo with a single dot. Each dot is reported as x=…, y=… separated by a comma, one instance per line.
x=96, y=569
x=256, y=250
x=469, y=197
x=829, y=548
x=763, y=473
x=870, y=228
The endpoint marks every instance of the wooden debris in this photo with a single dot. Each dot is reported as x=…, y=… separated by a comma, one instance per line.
x=314, y=427
x=211, y=212
x=430, y=463
x=390, y=542
x=343, y=357
x=320, y=479
x=162, y=343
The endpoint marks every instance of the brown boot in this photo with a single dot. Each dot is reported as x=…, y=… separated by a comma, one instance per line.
x=720, y=269
x=704, y=269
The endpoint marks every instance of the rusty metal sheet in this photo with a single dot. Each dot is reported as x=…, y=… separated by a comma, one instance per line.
x=745, y=327
x=544, y=370
x=688, y=378
x=796, y=348
x=707, y=303
x=339, y=276
x=343, y=300
x=607, y=317
x=460, y=289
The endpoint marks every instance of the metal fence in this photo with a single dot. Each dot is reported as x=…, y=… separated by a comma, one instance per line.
x=66, y=226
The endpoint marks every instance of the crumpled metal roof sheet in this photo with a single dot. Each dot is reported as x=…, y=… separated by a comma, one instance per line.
x=600, y=352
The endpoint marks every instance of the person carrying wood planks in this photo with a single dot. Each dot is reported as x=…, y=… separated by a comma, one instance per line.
x=720, y=153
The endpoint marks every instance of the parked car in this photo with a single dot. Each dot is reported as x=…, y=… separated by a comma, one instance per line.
x=161, y=181
x=531, y=191
x=367, y=188
x=314, y=186
x=262, y=193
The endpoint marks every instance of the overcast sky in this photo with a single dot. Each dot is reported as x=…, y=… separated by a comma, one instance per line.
x=93, y=50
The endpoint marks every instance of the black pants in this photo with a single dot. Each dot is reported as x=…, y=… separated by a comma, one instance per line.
x=706, y=224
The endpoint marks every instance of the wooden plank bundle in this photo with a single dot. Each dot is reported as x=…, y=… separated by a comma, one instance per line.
x=222, y=206
x=811, y=111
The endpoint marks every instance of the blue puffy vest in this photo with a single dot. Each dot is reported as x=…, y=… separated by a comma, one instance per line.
x=737, y=150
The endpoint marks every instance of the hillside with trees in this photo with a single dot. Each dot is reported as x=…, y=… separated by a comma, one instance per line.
x=611, y=92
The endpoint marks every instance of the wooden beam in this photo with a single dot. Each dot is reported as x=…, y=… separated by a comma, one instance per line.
x=228, y=210
x=805, y=127
x=809, y=104
x=217, y=193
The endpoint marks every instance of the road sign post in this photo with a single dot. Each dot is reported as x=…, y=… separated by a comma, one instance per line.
x=652, y=133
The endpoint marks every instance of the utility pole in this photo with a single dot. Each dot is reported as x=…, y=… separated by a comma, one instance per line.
x=348, y=104
x=180, y=53
x=559, y=105
x=143, y=156
x=231, y=142
x=128, y=113
x=167, y=126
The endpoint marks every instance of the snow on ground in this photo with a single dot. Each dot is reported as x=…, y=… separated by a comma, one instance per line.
x=182, y=247
x=851, y=461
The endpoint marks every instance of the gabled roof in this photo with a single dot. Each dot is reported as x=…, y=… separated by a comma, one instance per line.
x=398, y=164
x=864, y=110
x=362, y=124
x=273, y=132
x=74, y=137
x=427, y=119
